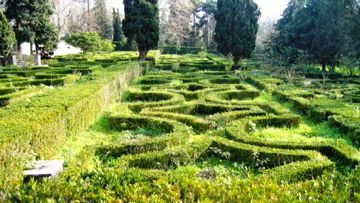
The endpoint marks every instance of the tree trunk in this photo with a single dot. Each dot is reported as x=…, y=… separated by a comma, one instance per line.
x=323, y=67
x=332, y=68
x=36, y=48
x=143, y=54
x=236, y=64
x=31, y=48
x=18, y=47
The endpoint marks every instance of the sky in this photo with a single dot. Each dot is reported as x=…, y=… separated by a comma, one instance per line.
x=270, y=9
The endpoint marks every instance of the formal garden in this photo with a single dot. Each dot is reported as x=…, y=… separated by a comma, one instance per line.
x=179, y=124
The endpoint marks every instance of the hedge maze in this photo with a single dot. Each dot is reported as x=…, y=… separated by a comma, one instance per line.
x=186, y=130
x=193, y=110
x=17, y=84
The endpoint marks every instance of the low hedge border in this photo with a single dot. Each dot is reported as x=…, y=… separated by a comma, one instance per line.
x=274, y=161
x=232, y=95
x=337, y=113
x=176, y=134
x=239, y=132
x=199, y=125
x=268, y=84
x=20, y=95
x=137, y=100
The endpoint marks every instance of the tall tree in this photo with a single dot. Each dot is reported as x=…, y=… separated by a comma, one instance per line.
x=45, y=33
x=61, y=14
x=325, y=37
x=351, y=47
x=116, y=25
x=117, y=38
x=141, y=24
x=7, y=36
x=14, y=11
x=103, y=20
x=204, y=23
x=236, y=28
x=32, y=23
x=176, y=22
x=313, y=28
x=284, y=43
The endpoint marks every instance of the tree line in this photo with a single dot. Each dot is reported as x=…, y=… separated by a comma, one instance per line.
x=145, y=26
x=324, y=32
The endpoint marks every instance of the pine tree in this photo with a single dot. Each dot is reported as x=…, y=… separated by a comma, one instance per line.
x=103, y=21
x=7, y=36
x=141, y=24
x=236, y=28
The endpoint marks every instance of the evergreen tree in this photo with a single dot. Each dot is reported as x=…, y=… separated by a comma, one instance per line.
x=285, y=42
x=324, y=41
x=236, y=27
x=141, y=24
x=14, y=11
x=7, y=36
x=116, y=26
x=312, y=28
x=32, y=23
x=46, y=36
x=117, y=38
x=352, y=33
x=103, y=21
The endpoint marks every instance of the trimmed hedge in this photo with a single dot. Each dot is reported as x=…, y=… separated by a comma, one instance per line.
x=199, y=125
x=278, y=162
x=37, y=128
x=240, y=131
x=138, y=100
x=174, y=134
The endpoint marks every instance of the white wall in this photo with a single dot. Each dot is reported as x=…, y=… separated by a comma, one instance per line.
x=62, y=49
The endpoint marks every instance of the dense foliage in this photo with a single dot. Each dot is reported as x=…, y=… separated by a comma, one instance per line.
x=316, y=31
x=7, y=36
x=89, y=42
x=32, y=23
x=141, y=24
x=117, y=37
x=236, y=28
x=188, y=130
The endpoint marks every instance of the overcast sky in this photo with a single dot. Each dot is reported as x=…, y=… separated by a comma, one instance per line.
x=269, y=8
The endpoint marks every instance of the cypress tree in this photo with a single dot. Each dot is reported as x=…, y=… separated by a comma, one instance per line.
x=116, y=26
x=7, y=36
x=236, y=28
x=117, y=30
x=141, y=24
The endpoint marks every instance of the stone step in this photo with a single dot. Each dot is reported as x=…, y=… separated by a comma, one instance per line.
x=44, y=169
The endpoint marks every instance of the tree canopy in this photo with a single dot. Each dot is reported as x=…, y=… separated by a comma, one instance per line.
x=236, y=28
x=32, y=23
x=7, y=36
x=314, y=29
x=141, y=24
x=89, y=42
